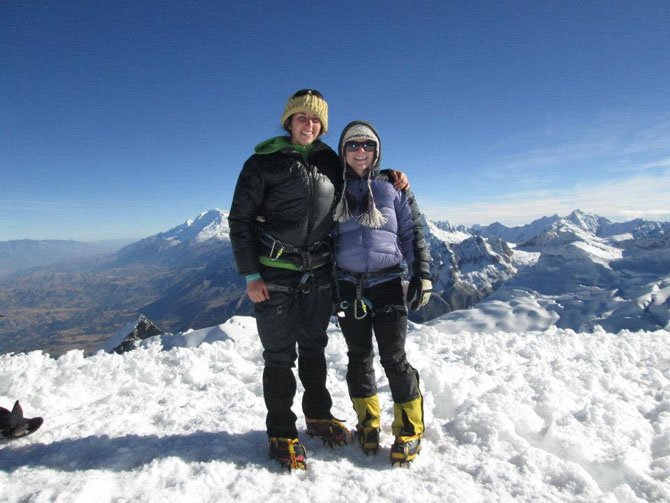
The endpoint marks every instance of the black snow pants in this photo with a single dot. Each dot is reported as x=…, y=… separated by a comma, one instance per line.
x=388, y=319
x=297, y=313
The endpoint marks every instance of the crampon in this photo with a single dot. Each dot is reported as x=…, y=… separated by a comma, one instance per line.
x=368, y=438
x=289, y=452
x=404, y=450
x=332, y=431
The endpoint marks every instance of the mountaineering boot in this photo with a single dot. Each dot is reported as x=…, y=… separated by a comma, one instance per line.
x=367, y=430
x=405, y=449
x=407, y=427
x=331, y=431
x=369, y=439
x=14, y=425
x=289, y=452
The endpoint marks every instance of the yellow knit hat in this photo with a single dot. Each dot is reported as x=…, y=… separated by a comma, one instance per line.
x=308, y=101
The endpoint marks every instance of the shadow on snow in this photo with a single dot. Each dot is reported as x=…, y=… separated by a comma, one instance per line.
x=133, y=451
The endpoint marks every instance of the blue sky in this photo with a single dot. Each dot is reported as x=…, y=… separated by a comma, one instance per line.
x=122, y=119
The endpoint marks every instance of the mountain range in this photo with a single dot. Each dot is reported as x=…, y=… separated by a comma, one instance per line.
x=580, y=272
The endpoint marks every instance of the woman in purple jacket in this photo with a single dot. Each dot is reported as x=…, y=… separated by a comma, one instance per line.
x=379, y=228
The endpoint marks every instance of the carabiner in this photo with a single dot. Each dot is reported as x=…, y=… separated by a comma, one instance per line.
x=364, y=308
x=279, y=252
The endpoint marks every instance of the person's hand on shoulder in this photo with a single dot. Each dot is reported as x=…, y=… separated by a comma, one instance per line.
x=400, y=180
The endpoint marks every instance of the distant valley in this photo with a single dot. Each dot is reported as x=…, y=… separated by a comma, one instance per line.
x=178, y=278
x=25, y=254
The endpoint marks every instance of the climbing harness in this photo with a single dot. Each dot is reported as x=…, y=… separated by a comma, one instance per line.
x=304, y=286
x=363, y=306
x=308, y=259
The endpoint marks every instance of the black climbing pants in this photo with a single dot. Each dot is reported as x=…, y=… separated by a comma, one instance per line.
x=387, y=318
x=296, y=315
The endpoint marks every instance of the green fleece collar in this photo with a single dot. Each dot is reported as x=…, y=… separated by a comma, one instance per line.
x=280, y=143
x=272, y=145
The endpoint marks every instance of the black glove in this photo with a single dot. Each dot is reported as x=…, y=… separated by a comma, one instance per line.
x=418, y=292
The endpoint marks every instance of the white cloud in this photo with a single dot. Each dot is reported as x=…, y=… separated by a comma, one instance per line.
x=662, y=163
x=618, y=140
x=639, y=196
x=569, y=165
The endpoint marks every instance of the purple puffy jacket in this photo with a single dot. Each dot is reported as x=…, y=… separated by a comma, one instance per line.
x=360, y=249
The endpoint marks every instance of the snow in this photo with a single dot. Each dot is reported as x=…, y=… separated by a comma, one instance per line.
x=519, y=415
x=599, y=253
x=522, y=259
x=208, y=225
x=213, y=224
x=518, y=311
x=450, y=237
x=621, y=237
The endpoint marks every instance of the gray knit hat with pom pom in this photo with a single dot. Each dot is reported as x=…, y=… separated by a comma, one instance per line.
x=371, y=216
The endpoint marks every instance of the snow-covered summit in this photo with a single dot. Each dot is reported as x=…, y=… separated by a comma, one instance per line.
x=211, y=224
x=519, y=416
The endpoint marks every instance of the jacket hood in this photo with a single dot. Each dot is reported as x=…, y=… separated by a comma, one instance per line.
x=342, y=154
x=371, y=216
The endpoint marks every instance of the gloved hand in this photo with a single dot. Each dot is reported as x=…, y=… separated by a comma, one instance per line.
x=418, y=292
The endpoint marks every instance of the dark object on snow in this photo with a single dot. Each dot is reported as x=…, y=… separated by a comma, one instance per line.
x=143, y=329
x=14, y=425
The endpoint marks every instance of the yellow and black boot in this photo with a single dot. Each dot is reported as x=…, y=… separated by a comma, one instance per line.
x=408, y=428
x=367, y=430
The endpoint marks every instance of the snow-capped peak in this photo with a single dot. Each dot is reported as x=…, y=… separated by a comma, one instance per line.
x=209, y=228
x=211, y=224
x=446, y=232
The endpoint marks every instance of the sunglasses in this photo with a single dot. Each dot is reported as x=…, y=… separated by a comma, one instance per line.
x=367, y=145
x=305, y=92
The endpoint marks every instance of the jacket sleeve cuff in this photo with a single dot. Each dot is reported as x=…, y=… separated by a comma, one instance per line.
x=253, y=277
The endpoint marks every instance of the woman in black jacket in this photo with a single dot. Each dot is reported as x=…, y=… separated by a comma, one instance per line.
x=280, y=223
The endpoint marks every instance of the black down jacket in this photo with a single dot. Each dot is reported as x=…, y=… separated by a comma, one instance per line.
x=281, y=197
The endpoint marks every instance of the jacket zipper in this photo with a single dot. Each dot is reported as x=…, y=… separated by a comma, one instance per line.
x=310, y=218
x=364, y=230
